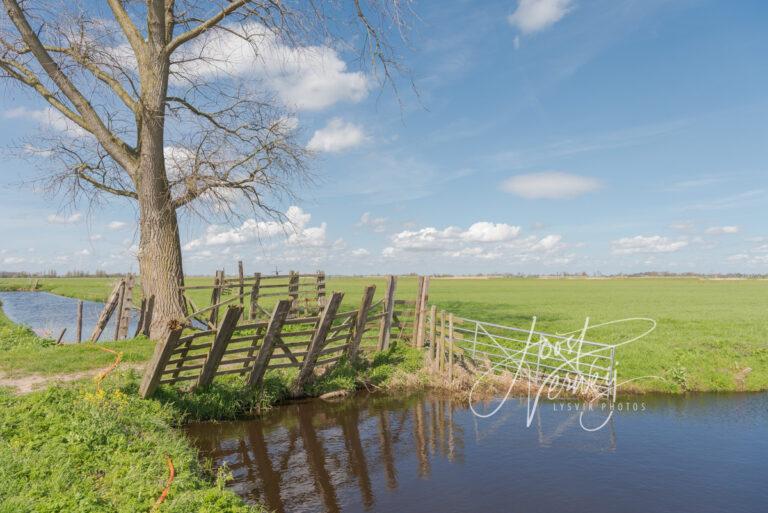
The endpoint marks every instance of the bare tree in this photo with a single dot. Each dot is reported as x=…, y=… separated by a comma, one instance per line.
x=148, y=113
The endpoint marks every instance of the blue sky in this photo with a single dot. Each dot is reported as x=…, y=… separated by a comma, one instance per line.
x=546, y=136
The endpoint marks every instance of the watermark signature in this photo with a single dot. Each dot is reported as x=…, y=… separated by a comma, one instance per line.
x=563, y=363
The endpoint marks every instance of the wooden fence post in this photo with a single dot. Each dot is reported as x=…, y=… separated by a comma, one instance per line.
x=389, y=309
x=218, y=285
x=439, y=363
x=106, y=312
x=320, y=289
x=255, y=295
x=293, y=289
x=127, y=307
x=432, y=341
x=272, y=335
x=119, y=309
x=160, y=358
x=242, y=280
x=220, y=342
x=148, y=315
x=360, y=321
x=317, y=342
x=142, y=313
x=450, y=347
x=422, y=302
x=79, y=334
x=417, y=310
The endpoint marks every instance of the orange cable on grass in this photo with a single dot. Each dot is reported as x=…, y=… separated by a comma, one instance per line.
x=171, y=476
x=103, y=374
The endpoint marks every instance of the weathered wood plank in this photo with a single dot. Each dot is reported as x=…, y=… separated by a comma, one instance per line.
x=227, y=327
x=362, y=318
x=79, y=334
x=162, y=354
x=106, y=312
x=126, y=310
x=389, y=310
x=256, y=377
x=317, y=343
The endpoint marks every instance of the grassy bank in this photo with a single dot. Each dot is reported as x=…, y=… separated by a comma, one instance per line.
x=86, y=448
x=710, y=336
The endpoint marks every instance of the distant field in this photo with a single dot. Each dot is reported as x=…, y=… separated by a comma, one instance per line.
x=709, y=334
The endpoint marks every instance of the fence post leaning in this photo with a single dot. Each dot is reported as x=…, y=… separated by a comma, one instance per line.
x=422, y=300
x=119, y=308
x=317, y=342
x=126, y=309
x=417, y=309
x=162, y=354
x=360, y=321
x=219, y=345
x=106, y=312
x=148, y=315
x=389, y=310
x=272, y=335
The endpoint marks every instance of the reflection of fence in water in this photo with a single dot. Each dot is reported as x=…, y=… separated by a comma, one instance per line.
x=317, y=455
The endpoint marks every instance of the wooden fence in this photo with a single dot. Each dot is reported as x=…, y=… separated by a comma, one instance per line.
x=305, y=291
x=249, y=347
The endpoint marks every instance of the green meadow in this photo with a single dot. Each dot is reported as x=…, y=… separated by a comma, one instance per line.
x=711, y=335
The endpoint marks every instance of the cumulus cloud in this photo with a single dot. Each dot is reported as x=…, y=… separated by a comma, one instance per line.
x=58, y=219
x=295, y=229
x=646, y=244
x=117, y=225
x=377, y=224
x=721, y=230
x=535, y=15
x=304, y=77
x=360, y=252
x=482, y=241
x=337, y=136
x=549, y=185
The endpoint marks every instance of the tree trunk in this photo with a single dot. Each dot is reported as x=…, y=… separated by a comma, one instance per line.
x=159, y=247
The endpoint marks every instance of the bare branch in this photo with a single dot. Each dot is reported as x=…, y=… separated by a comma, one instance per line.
x=204, y=26
x=119, y=150
x=130, y=30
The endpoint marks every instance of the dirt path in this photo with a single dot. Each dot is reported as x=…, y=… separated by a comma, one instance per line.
x=27, y=383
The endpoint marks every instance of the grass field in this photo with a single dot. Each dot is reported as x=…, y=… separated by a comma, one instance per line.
x=712, y=335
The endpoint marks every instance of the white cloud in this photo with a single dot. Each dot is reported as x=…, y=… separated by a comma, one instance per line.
x=360, y=252
x=377, y=224
x=721, y=230
x=431, y=238
x=549, y=185
x=117, y=225
x=490, y=232
x=337, y=136
x=295, y=229
x=95, y=237
x=304, y=77
x=57, y=219
x=14, y=260
x=649, y=244
x=535, y=15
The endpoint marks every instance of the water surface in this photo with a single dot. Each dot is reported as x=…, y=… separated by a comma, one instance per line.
x=47, y=314
x=428, y=453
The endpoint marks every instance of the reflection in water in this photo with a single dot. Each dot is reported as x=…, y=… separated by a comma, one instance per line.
x=298, y=457
x=429, y=453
